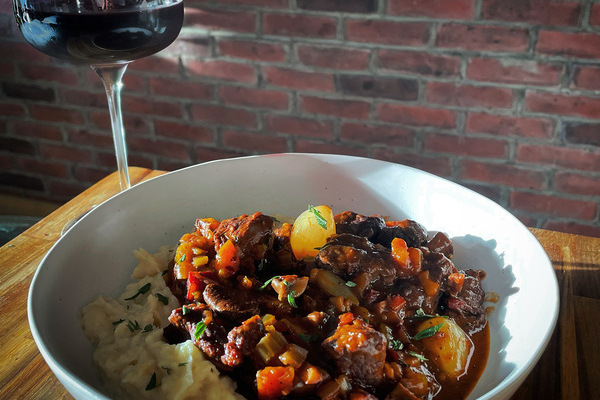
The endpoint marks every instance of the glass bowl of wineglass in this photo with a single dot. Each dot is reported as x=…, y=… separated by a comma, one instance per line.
x=107, y=35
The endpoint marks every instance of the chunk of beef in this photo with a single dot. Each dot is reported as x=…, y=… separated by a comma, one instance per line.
x=358, y=351
x=242, y=341
x=412, y=232
x=438, y=265
x=412, y=291
x=232, y=304
x=441, y=243
x=252, y=235
x=466, y=307
x=359, y=225
x=348, y=255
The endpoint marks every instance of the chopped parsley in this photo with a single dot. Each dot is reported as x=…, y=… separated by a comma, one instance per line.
x=428, y=332
x=291, y=299
x=396, y=344
x=200, y=327
x=182, y=364
x=117, y=322
x=182, y=259
x=133, y=325
x=167, y=369
x=320, y=220
x=162, y=299
x=141, y=290
x=268, y=282
x=147, y=328
x=185, y=310
x=152, y=384
x=417, y=355
x=350, y=284
x=420, y=314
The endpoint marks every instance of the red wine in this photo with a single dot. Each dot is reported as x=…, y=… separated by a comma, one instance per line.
x=102, y=37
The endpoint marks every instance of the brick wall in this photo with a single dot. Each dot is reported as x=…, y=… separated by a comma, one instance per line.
x=499, y=95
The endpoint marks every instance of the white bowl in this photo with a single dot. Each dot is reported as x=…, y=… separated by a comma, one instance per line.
x=95, y=256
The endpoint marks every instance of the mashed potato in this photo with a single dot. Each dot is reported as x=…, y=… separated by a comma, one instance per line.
x=129, y=351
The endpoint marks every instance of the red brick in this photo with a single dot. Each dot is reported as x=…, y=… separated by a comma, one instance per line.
x=583, y=133
x=595, y=14
x=585, y=77
x=299, y=126
x=86, y=138
x=345, y=6
x=377, y=134
x=17, y=145
x=224, y=70
x=482, y=37
x=135, y=159
x=505, y=125
x=65, y=190
x=220, y=19
x=251, y=50
x=502, y=174
x=84, y=98
x=534, y=12
x=254, y=142
x=258, y=3
x=165, y=148
x=378, y=87
x=299, y=25
x=204, y=154
x=465, y=146
x=223, y=115
x=154, y=64
x=132, y=123
x=553, y=206
x=21, y=181
x=90, y=174
x=28, y=92
x=12, y=110
x=567, y=182
x=559, y=156
x=419, y=63
x=387, y=32
x=416, y=115
x=37, y=129
x=180, y=89
x=296, y=79
x=506, y=70
x=573, y=227
x=132, y=82
x=21, y=51
x=176, y=130
x=62, y=75
x=436, y=165
x=187, y=45
x=252, y=97
x=151, y=107
x=468, y=96
x=65, y=152
x=560, y=104
x=445, y=9
x=314, y=146
x=36, y=166
x=336, y=107
x=340, y=58
x=569, y=44
x=55, y=114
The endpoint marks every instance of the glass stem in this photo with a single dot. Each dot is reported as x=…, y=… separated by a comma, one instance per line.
x=111, y=76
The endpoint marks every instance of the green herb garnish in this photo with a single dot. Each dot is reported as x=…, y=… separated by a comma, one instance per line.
x=152, y=384
x=133, y=326
x=200, y=327
x=183, y=364
x=350, y=284
x=167, y=369
x=117, y=322
x=420, y=314
x=141, y=290
x=320, y=220
x=428, y=332
x=147, y=328
x=396, y=344
x=419, y=356
x=185, y=310
x=162, y=299
x=182, y=259
x=291, y=299
x=268, y=282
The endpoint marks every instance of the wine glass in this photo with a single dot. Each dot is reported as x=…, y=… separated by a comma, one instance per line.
x=107, y=35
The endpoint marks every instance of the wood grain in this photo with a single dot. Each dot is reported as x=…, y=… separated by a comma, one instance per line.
x=569, y=369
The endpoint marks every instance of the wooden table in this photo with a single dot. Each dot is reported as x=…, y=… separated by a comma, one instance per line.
x=569, y=369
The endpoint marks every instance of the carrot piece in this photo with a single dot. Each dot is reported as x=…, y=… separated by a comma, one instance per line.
x=457, y=279
x=431, y=288
x=274, y=382
x=400, y=252
x=227, y=260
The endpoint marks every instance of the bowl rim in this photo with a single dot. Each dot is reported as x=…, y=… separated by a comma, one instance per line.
x=506, y=387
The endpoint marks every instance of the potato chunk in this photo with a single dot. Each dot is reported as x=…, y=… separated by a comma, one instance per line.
x=311, y=230
x=450, y=348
